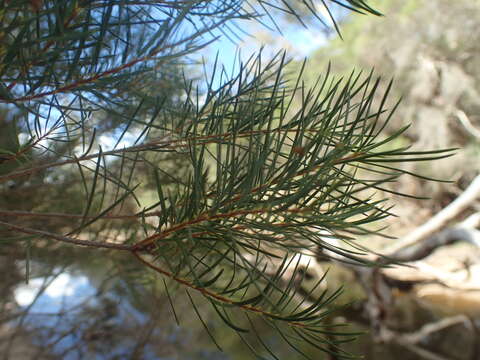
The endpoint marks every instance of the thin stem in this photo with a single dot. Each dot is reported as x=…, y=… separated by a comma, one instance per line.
x=66, y=239
x=206, y=217
x=15, y=213
x=211, y=294
x=165, y=142
x=49, y=44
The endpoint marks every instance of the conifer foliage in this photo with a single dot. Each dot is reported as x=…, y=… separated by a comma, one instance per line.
x=110, y=140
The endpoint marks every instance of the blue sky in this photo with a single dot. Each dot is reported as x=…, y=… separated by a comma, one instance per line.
x=299, y=41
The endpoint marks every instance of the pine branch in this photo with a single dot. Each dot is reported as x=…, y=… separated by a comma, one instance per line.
x=249, y=170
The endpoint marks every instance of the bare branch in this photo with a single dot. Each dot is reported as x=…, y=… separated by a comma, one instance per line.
x=467, y=124
x=411, y=340
x=66, y=239
x=440, y=220
x=18, y=213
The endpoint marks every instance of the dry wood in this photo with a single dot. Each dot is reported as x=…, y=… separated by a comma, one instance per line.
x=439, y=221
